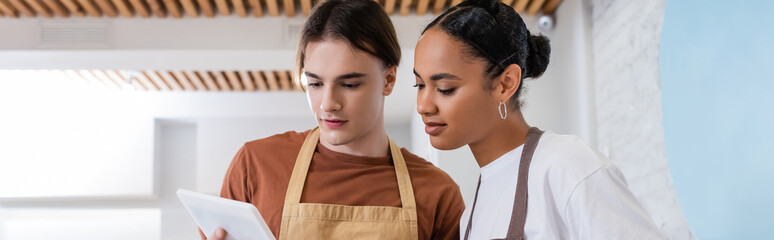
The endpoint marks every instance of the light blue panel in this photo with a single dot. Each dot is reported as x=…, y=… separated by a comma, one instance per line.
x=717, y=78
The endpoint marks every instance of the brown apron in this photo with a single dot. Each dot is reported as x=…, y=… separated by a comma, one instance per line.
x=519, y=214
x=330, y=221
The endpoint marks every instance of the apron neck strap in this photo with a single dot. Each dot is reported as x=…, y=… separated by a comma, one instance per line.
x=301, y=168
x=405, y=187
x=519, y=213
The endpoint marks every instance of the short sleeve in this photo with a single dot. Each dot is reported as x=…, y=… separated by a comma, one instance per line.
x=237, y=184
x=447, y=222
x=602, y=207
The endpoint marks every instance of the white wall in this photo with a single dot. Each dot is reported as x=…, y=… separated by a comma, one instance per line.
x=219, y=139
x=626, y=42
x=50, y=136
x=220, y=33
x=175, y=142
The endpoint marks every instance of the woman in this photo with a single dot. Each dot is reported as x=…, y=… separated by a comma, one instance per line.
x=345, y=179
x=470, y=64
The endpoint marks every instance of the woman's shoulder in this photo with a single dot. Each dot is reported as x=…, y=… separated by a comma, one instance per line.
x=570, y=151
x=564, y=162
x=567, y=159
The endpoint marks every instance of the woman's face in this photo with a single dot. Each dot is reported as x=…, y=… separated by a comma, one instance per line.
x=452, y=95
x=346, y=89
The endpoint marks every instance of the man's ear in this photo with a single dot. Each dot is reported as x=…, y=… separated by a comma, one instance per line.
x=390, y=77
x=509, y=82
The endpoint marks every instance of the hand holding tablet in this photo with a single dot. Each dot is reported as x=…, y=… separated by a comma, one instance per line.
x=240, y=220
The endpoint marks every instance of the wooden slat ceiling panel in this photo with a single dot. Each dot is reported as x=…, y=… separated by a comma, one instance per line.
x=178, y=80
x=58, y=8
x=260, y=82
x=439, y=6
x=197, y=82
x=271, y=80
x=106, y=7
x=7, y=9
x=139, y=7
x=184, y=81
x=205, y=76
x=22, y=7
x=206, y=7
x=38, y=7
x=389, y=6
x=221, y=80
x=90, y=8
x=241, y=8
x=422, y=7
x=234, y=81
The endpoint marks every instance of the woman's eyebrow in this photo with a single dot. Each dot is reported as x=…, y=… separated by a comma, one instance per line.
x=439, y=76
x=447, y=76
x=417, y=74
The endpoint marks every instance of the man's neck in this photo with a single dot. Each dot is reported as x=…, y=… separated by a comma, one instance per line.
x=375, y=143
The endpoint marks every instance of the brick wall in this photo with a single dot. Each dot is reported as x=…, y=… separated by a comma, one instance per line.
x=627, y=98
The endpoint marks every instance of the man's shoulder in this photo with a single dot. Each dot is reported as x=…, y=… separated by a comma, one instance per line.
x=289, y=139
x=426, y=175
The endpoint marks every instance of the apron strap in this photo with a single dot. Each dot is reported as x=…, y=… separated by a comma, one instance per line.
x=519, y=213
x=301, y=168
x=472, y=209
x=404, y=180
x=297, y=179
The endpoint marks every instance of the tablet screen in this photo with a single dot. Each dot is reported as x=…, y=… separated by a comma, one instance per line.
x=241, y=220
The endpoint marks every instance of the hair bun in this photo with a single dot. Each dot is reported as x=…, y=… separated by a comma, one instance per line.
x=539, y=54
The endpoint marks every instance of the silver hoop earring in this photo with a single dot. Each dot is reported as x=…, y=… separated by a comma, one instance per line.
x=502, y=109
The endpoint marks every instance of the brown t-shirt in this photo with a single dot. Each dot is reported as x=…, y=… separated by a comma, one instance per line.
x=260, y=172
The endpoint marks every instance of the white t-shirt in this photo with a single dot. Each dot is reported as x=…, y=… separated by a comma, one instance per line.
x=574, y=193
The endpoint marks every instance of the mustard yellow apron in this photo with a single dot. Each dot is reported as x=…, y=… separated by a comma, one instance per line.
x=330, y=221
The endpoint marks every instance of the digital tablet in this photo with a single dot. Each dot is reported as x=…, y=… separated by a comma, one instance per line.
x=241, y=220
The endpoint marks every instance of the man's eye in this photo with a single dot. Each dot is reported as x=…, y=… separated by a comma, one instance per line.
x=350, y=85
x=315, y=85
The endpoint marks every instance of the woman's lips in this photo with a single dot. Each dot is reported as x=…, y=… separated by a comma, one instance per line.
x=434, y=129
x=334, y=123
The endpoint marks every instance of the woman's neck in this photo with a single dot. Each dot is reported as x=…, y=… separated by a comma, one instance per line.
x=501, y=139
x=374, y=143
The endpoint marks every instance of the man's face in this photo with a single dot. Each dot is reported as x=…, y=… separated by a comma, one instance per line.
x=346, y=89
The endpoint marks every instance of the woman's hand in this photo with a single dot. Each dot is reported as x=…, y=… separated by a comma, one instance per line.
x=219, y=234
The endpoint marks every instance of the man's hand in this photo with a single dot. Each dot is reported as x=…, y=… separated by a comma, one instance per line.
x=219, y=234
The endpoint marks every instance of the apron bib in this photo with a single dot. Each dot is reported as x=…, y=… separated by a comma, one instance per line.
x=519, y=214
x=331, y=221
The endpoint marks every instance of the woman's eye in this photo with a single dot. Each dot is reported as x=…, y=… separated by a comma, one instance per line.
x=351, y=85
x=314, y=85
x=420, y=86
x=446, y=91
